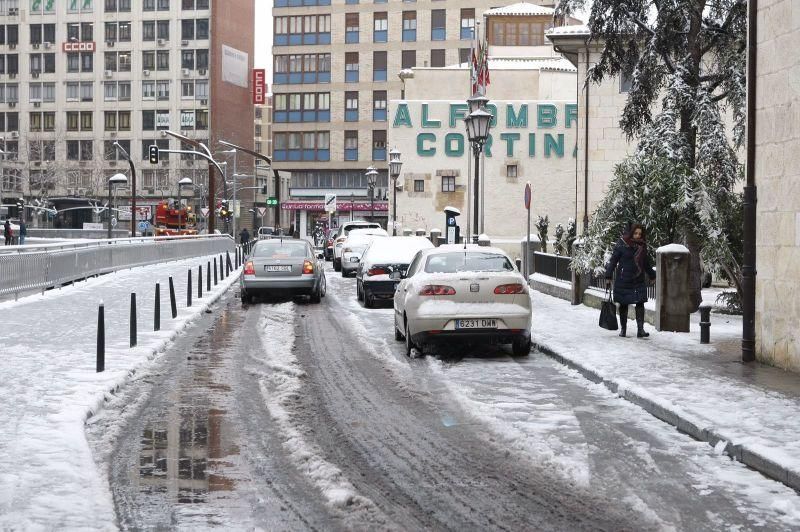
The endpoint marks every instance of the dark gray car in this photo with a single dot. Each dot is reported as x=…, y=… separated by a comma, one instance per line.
x=282, y=266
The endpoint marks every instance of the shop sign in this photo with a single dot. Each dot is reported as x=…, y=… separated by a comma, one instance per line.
x=79, y=47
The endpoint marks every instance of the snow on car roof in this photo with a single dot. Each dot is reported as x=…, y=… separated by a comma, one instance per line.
x=367, y=231
x=363, y=237
x=470, y=248
x=395, y=249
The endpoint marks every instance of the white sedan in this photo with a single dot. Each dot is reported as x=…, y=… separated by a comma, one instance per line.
x=468, y=293
x=358, y=240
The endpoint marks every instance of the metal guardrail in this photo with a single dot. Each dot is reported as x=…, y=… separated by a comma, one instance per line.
x=556, y=266
x=600, y=284
x=28, y=268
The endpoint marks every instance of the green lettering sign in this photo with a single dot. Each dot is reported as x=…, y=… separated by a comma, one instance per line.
x=517, y=120
x=426, y=122
x=571, y=112
x=402, y=117
x=546, y=115
x=531, y=144
x=487, y=148
x=422, y=151
x=36, y=5
x=458, y=112
x=550, y=144
x=49, y=5
x=510, y=138
x=449, y=150
x=492, y=108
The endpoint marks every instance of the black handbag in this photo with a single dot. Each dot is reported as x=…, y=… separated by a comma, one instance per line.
x=608, y=313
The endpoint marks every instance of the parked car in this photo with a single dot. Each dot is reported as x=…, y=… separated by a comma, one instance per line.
x=282, y=266
x=456, y=293
x=265, y=232
x=382, y=258
x=354, y=246
x=341, y=235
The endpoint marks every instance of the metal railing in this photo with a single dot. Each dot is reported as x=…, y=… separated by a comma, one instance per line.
x=24, y=269
x=556, y=266
x=599, y=282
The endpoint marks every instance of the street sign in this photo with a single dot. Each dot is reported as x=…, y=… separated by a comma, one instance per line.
x=113, y=221
x=528, y=196
x=143, y=225
x=330, y=202
x=204, y=211
x=262, y=211
x=272, y=202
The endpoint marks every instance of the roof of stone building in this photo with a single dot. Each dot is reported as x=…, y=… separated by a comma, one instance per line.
x=556, y=63
x=519, y=9
x=574, y=30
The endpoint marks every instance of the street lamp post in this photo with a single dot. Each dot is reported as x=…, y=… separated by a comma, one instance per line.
x=127, y=157
x=478, y=123
x=394, y=171
x=186, y=181
x=372, y=177
x=116, y=179
x=206, y=154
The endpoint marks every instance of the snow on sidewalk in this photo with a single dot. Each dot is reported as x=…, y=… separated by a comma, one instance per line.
x=48, y=387
x=687, y=380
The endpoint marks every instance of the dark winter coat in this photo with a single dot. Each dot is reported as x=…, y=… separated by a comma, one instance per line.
x=7, y=229
x=630, y=285
x=23, y=229
x=244, y=236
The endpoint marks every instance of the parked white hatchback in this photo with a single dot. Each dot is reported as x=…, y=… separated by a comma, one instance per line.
x=456, y=293
x=357, y=241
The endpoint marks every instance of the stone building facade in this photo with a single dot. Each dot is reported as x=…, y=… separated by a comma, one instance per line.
x=777, y=159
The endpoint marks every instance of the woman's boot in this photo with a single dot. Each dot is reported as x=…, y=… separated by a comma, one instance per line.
x=640, y=322
x=623, y=320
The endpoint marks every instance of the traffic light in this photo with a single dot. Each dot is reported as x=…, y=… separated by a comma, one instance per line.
x=223, y=210
x=153, y=154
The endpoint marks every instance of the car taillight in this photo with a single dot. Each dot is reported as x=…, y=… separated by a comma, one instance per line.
x=515, y=288
x=249, y=269
x=437, y=290
x=348, y=250
x=308, y=266
x=376, y=271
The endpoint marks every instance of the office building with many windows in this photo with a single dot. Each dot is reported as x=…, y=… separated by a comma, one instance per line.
x=76, y=76
x=336, y=67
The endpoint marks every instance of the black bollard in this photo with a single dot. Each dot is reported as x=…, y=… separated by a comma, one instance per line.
x=228, y=266
x=705, y=323
x=208, y=276
x=133, y=320
x=221, y=269
x=101, y=339
x=157, y=312
x=189, y=288
x=238, y=250
x=215, y=271
x=200, y=282
x=172, y=302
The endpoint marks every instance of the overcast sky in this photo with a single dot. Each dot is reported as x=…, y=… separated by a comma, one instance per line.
x=263, y=35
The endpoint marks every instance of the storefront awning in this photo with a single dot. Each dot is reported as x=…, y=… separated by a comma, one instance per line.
x=341, y=206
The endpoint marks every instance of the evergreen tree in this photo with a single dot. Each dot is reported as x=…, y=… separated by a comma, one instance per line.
x=686, y=62
x=541, y=228
x=559, y=245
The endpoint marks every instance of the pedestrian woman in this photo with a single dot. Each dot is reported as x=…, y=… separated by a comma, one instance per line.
x=633, y=270
x=7, y=232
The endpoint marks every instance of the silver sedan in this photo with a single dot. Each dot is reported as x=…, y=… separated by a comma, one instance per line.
x=282, y=266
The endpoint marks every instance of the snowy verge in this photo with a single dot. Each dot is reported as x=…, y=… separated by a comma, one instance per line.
x=49, y=477
x=281, y=388
x=679, y=381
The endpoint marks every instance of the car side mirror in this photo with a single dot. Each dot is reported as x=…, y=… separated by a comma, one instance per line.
x=320, y=256
x=396, y=275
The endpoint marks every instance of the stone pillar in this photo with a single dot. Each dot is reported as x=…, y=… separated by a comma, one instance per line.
x=435, y=235
x=672, y=288
x=407, y=232
x=536, y=245
x=484, y=241
x=420, y=232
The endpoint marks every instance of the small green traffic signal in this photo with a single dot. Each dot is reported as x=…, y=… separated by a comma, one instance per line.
x=153, y=154
x=272, y=201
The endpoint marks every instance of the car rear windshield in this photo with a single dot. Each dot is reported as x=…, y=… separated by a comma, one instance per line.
x=459, y=261
x=265, y=231
x=275, y=249
x=361, y=226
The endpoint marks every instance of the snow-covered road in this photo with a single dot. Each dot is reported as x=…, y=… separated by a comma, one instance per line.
x=319, y=421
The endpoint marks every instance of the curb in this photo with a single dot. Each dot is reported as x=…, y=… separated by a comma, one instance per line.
x=684, y=423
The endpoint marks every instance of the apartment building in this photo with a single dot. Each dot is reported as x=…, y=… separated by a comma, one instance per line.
x=78, y=75
x=336, y=67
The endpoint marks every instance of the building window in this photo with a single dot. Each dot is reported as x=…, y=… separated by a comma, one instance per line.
x=112, y=6
x=351, y=67
x=409, y=26
x=80, y=150
x=149, y=30
x=419, y=185
x=467, y=23
x=409, y=59
x=162, y=29
x=162, y=60
x=625, y=82
x=351, y=106
x=517, y=33
x=438, y=25
x=379, y=145
x=511, y=170
x=379, y=106
x=380, y=27
x=463, y=55
x=351, y=28
x=351, y=145
x=437, y=58
x=448, y=183
x=379, y=62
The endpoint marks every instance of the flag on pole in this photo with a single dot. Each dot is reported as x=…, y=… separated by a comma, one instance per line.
x=474, y=73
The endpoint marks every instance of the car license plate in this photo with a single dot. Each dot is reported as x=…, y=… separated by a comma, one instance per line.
x=477, y=323
x=286, y=268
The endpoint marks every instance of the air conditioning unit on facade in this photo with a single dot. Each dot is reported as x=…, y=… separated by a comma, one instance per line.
x=15, y=134
x=35, y=74
x=202, y=71
x=12, y=75
x=146, y=73
x=203, y=102
x=110, y=44
x=186, y=72
x=12, y=104
x=13, y=11
x=108, y=73
x=184, y=43
x=37, y=103
x=162, y=42
x=35, y=45
x=48, y=45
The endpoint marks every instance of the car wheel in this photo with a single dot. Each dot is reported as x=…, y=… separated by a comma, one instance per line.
x=245, y=299
x=315, y=296
x=521, y=347
x=359, y=296
x=344, y=273
x=337, y=266
x=368, y=301
x=323, y=286
x=398, y=336
x=409, y=342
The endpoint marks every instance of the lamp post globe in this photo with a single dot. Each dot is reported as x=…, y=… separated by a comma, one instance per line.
x=477, y=101
x=116, y=179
